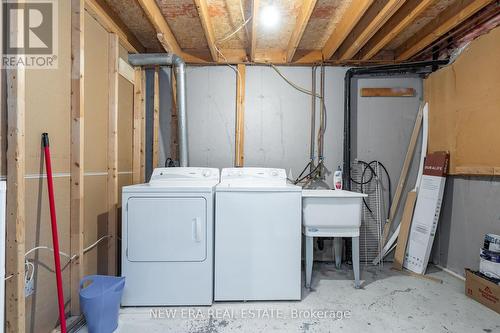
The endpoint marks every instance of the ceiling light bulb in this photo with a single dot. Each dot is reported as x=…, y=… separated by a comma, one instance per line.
x=269, y=16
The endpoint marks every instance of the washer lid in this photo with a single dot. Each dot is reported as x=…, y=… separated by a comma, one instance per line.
x=254, y=179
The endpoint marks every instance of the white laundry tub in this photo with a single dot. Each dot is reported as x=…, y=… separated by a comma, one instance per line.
x=324, y=211
x=332, y=213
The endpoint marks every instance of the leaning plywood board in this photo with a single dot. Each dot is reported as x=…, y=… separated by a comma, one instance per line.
x=464, y=101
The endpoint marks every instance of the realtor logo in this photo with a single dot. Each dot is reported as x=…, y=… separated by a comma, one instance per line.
x=29, y=34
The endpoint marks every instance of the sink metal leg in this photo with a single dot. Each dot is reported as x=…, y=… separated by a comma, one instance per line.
x=309, y=259
x=355, y=261
x=337, y=248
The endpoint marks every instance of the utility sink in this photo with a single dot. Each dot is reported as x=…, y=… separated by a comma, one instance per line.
x=332, y=213
x=327, y=210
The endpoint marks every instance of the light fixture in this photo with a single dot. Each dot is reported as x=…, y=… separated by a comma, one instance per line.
x=269, y=16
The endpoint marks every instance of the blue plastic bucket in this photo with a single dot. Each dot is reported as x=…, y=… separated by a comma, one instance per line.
x=100, y=302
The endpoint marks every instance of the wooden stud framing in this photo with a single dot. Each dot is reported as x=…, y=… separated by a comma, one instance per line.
x=156, y=117
x=371, y=28
x=158, y=20
x=125, y=70
x=449, y=19
x=300, y=26
x=404, y=173
x=351, y=17
x=112, y=177
x=15, y=219
x=239, y=156
x=174, y=125
x=394, y=26
x=77, y=149
x=387, y=92
x=206, y=23
x=137, y=132
x=105, y=15
x=253, y=32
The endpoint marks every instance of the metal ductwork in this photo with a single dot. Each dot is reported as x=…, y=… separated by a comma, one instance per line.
x=168, y=59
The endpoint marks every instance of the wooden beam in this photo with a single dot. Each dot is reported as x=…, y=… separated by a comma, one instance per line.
x=206, y=23
x=394, y=26
x=253, y=30
x=112, y=178
x=311, y=57
x=158, y=21
x=15, y=219
x=444, y=22
x=156, y=117
x=387, y=92
x=77, y=151
x=137, y=128
x=372, y=25
x=239, y=156
x=349, y=20
x=104, y=14
x=300, y=26
x=125, y=70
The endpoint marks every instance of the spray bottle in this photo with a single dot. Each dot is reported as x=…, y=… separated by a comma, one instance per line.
x=337, y=178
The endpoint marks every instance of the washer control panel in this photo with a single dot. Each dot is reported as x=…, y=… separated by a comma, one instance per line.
x=184, y=174
x=271, y=175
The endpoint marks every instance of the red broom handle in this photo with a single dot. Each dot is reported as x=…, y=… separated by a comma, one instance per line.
x=55, y=239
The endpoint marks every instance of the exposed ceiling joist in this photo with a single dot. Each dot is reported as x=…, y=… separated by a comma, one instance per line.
x=447, y=20
x=351, y=17
x=253, y=32
x=167, y=38
x=394, y=26
x=372, y=26
x=105, y=15
x=300, y=26
x=206, y=23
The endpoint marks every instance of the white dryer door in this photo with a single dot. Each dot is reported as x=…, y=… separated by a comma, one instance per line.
x=166, y=229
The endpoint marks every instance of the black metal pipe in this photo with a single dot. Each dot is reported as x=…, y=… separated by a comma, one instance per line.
x=418, y=68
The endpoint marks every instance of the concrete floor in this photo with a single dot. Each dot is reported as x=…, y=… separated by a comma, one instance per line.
x=388, y=302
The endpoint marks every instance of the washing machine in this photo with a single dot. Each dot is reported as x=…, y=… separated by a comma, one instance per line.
x=257, y=236
x=167, y=238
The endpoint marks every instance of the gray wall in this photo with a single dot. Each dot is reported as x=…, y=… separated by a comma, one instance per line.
x=471, y=208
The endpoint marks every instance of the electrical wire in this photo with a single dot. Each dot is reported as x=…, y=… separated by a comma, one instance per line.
x=303, y=90
x=29, y=271
x=85, y=250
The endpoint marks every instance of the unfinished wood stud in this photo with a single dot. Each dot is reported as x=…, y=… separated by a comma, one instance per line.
x=112, y=178
x=239, y=157
x=15, y=219
x=137, y=132
x=77, y=152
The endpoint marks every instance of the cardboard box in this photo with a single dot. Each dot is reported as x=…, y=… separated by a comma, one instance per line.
x=427, y=211
x=482, y=290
